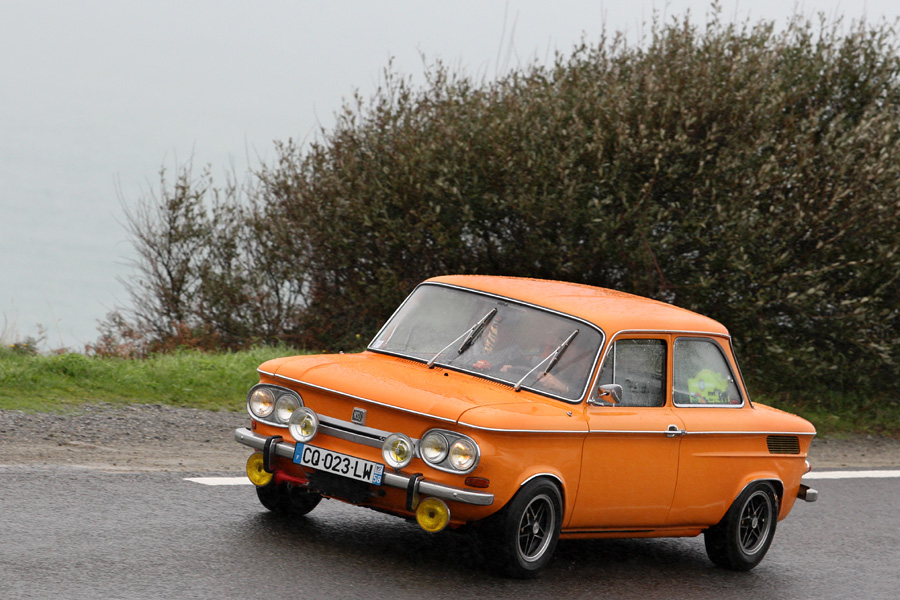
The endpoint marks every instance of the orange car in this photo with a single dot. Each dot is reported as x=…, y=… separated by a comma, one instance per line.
x=533, y=411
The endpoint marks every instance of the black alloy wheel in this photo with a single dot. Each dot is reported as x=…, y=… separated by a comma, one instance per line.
x=523, y=535
x=743, y=536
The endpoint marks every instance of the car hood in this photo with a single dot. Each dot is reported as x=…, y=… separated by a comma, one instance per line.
x=411, y=386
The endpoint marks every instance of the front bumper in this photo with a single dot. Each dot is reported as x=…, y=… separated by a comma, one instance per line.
x=393, y=479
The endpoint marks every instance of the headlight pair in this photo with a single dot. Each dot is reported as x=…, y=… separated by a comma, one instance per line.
x=449, y=451
x=444, y=450
x=273, y=404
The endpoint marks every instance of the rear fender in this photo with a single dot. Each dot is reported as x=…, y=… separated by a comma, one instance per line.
x=757, y=477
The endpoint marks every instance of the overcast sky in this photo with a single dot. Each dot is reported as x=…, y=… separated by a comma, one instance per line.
x=97, y=95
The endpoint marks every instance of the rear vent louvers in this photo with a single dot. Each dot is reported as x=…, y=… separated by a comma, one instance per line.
x=783, y=444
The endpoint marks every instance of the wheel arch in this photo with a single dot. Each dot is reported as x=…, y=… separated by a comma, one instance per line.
x=555, y=478
x=776, y=483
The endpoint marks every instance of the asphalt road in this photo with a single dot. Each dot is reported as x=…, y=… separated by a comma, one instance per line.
x=77, y=533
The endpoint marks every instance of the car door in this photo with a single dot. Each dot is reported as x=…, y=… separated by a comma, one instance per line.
x=720, y=446
x=630, y=458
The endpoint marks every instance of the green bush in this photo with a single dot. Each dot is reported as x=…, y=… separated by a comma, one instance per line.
x=746, y=173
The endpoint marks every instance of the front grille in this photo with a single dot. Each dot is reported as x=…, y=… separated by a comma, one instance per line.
x=352, y=432
x=783, y=444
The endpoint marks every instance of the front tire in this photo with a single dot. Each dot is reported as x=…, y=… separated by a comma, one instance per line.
x=743, y=536
x=523, y=535
x=287, y=500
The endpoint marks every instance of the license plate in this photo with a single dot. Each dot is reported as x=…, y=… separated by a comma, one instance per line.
x=339, y=464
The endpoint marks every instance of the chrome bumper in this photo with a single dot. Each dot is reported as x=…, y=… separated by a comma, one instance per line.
x=393, y=479
x=807, y=493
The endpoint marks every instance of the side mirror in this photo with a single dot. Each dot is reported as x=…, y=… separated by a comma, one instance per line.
x=608, y=395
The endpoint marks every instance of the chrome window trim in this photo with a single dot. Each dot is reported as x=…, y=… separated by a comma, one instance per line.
x=737, y=364
x=663, y=335
x=709, y=338
x=654, y=332
x=722, y=406
x=578, y=400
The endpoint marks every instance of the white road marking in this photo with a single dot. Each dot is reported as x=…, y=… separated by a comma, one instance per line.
x=851, y=474
x=219, y=480
x=813, y=475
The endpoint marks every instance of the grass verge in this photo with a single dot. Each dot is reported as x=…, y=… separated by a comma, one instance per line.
x=195, y=379
x=186, y=378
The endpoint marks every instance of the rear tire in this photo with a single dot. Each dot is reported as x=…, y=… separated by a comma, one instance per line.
x=743, y=536
x=287, y=500
x=521, y=537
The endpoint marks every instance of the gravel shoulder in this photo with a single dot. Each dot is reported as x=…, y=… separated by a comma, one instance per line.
x=130, y=438
x=165, y=438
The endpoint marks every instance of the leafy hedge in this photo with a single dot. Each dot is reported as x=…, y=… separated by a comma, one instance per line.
x=748, y=173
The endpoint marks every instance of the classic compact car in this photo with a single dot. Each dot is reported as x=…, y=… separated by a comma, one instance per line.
x=533, y=411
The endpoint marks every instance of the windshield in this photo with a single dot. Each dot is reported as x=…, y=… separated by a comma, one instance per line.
x=518, y=344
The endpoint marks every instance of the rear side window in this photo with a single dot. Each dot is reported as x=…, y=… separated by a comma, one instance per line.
x=702, y=374
x=639, y=366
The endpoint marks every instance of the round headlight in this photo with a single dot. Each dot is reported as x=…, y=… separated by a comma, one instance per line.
x=434, y=447
x=303, y=425
x=285, y=407
x=261, y=402
x=463, y=455
x=397, y=450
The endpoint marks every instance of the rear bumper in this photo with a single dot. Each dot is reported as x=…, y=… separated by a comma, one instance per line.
x=397, y=480
x=807, y=493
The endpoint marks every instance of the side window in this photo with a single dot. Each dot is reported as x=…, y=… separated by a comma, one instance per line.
x=702, y=375
x=639, y=366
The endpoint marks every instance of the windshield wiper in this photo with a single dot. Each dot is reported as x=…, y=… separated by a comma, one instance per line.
x=470, y=334
x=551, y=360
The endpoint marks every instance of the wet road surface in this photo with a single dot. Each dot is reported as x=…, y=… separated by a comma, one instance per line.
x=75, y=533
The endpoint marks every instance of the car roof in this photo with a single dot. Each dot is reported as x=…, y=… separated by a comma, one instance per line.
x=611, y=310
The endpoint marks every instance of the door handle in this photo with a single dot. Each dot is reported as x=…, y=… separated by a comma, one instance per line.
x=674, y=430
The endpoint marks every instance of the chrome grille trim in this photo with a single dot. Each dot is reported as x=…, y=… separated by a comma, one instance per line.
x=352, y=432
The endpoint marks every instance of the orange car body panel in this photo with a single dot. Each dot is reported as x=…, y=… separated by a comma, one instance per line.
x=619, y=476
